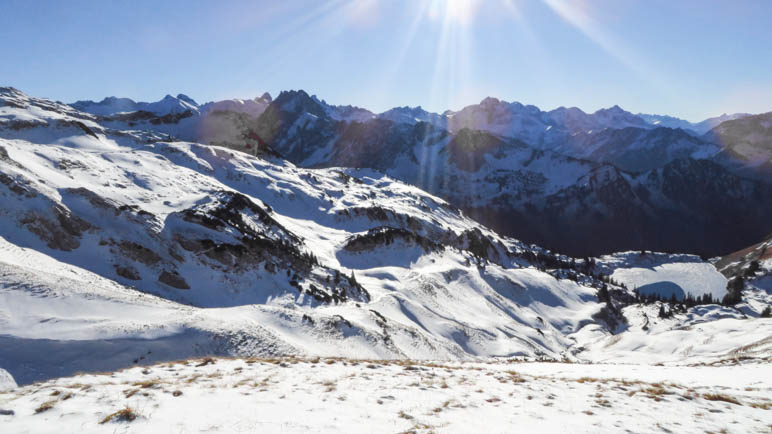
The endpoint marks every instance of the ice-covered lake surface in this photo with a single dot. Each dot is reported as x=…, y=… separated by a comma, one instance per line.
x=666, y=274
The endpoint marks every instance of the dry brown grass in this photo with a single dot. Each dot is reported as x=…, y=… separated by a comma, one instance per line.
x=193, y=378
x=329, y=386
x=422, y=427
x=761, y=405
x=205, y=361
x=656, y=391
x=242, y=382
x=126, y=414
x=48, y=405
x=721, y=397
x=586, y=380
x=147, y=384
x=515, y=377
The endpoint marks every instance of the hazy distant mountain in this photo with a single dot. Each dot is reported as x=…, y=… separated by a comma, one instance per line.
x=414, y=115
x=251, y=107
x=583, y=183
x=698, y=128
x=636, y=149
x=112, y=105
x=746, y=144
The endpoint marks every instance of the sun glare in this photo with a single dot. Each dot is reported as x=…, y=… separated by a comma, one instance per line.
x=455, y=11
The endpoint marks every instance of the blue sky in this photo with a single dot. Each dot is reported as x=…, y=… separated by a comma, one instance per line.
x=691, y=59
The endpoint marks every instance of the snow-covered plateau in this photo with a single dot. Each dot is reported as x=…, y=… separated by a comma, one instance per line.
x=122, y=250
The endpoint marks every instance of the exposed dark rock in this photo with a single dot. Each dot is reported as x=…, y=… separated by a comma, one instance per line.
x=171, y=118
x=138, y=252
x=227, y=210
x=384, y=236
x=173, y=279
x=474, y=241
x=18, y=125
x=136, y=210
x=94, y=199
x=127, y=272
x=6, y=158
x=80, y=125
x=266, y=244
x=69, y=165
x=17, y=186
x=61, y=234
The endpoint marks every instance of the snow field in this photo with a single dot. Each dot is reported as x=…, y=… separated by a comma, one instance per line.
x=338, y=395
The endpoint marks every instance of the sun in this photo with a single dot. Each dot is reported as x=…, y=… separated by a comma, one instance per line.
x=454, y=11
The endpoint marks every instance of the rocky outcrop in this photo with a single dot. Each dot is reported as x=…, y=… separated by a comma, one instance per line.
x=173, y=279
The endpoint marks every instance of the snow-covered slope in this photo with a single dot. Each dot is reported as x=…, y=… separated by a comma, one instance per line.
x=703, y=334
x=120, y=247
x=754, y=266
x=6, y=381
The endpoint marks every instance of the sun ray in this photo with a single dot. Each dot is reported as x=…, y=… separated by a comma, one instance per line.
x=577, y=14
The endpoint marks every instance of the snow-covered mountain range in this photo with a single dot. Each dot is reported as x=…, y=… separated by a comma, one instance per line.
x=512, y=165
x=119, y=240
x=113, y=106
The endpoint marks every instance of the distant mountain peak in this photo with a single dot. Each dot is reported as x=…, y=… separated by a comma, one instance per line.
x=490, y=101
x=187, y=99
x=614, y=110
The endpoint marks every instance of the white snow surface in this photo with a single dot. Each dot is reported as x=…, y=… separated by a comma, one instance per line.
x=6, y=380
x=333, y=395
x=665, y=274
